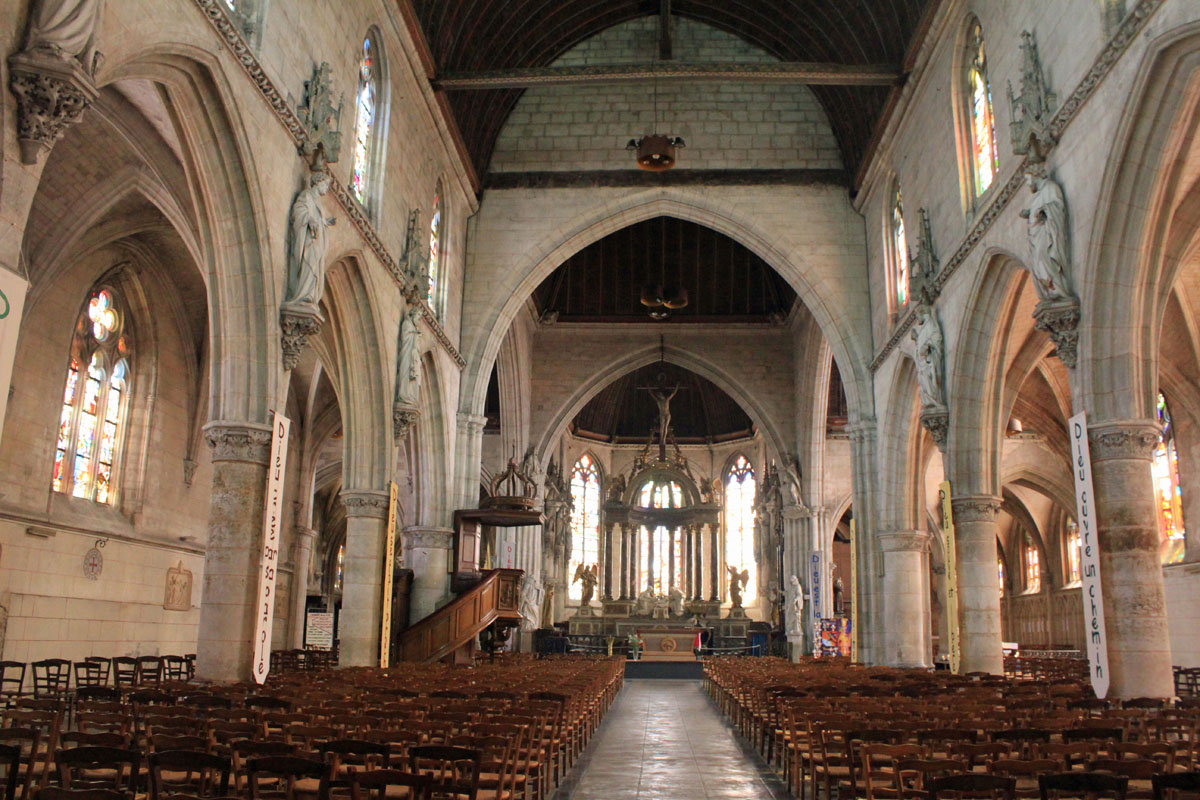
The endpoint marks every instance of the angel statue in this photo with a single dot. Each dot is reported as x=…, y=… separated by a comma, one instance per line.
x=737, y=581
x=587, y=577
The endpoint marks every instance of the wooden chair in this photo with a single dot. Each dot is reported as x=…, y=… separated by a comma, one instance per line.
x=188, y=773
x=10, y=757
x=912, y=775
x=453, y=770
x=87, y=674
x=390, y=784
x=150, y=671
x=972, y=784
x=1024, y=773
x=51, y=677
x=12, y=681
x=124, y=672
x=26, y=741
x=1082, y=784
x=58, y=793
x=1139, y=771
x=48, y=725
x=345, y=756
x=878, y=769
x=175, y=669
x=1187, y=782
x=278, y=777
x=92, y=767
x=246, y=751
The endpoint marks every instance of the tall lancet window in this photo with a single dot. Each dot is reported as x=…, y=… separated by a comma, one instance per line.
x=899, y=250
x=91, y=429
x=365, y=104
x=739, y=524
x=585, y=521
x=985, y=158
x=1033, y=566
x=654, y=564
x=436, y=254
x=1165, y=469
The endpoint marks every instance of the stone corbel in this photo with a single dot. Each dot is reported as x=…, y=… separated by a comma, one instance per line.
x=52, y=94
x=404, y=418
x=297, y=322
x=1060, y=319
x=937, y=422
x=365, y=503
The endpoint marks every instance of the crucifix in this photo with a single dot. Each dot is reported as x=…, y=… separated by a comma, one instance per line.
x=663, y=395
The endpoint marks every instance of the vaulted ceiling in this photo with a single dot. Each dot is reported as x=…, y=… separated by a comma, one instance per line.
x=725, y=281
x=624, y=411
x=507, y=34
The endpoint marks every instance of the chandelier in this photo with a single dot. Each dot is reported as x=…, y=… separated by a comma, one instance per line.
x=661, y=298
x=654, y=151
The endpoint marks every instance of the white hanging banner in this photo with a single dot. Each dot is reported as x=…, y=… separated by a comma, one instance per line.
x=954, y=646
x=1089, y=554
x=853, y=592
x=272, y=522
x=816, y=591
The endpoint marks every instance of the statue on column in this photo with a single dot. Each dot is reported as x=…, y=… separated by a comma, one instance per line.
x=588, y=578
x=306, y=261
x=1049, y=252
x=616, y=488
x=66, y=29
x=930, y=358
x=795, y=622
x=408, y=359
x=839, y=603
x=737, y=580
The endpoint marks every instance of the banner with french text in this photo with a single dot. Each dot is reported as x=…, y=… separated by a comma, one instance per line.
x=1089, y=554
x=269, y=562
x=954, y=646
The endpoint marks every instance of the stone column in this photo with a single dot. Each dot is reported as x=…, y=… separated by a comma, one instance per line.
x=689, y=577
x=240, y=452
x=649, y=559
x=302, y=547
x=608, y=561
x=714, y=563
x=905, y=598
x=1135, y=610
x=625, y=562
x=863, y=441
x=698, y=554
x=978, y=583
x=362, y=577
x=428, y=555
x=671, y=560
x=469, y=455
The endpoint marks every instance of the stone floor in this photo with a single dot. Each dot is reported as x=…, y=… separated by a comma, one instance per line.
x=665, y=739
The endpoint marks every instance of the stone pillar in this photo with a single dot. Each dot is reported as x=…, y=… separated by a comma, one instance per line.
x=1135, y=610
x=698, y=575
x=240, y=452
x=978, y=583
x=625, y=584
x=905, y=598
x=302, y=547
x=428, y=555
x=362, y=577
x=689, y=577
x=863, y=440
x=469, y=455
x=795, y=561
x=714, y=569
x=649, y=559
x=608, y=561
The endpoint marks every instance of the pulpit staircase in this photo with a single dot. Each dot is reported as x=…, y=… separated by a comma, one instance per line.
x=453, y=628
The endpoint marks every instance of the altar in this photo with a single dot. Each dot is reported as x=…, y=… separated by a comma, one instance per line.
x=668, y=644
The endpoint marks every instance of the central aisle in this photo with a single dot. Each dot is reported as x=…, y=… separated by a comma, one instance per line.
x=664, y=739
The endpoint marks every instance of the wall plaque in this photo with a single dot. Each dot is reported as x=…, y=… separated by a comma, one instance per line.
x=178, y=593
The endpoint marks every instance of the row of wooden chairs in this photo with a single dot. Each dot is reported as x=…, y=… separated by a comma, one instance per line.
x=53, y=676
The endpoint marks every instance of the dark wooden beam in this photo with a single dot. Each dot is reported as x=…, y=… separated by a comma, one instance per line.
x=595, y=179
x=664, y=30
x=782, y=72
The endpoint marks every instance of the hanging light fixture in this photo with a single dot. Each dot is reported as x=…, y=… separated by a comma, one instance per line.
x=660, y=298
x=655, y=152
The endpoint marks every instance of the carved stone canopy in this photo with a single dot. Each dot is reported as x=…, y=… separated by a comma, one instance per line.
x=322, y=140
x=297, y=322
x=922, y=279
x=1060, y=319
x=937, y=422
x=1033, y=108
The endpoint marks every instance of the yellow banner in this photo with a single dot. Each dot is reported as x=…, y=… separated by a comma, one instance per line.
x=389, y=557
x=954, y=646
x=853, y=592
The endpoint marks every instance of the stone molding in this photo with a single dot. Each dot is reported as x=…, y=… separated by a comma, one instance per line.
x=472, y=424
x=862, y=430
x=52, y=93
x=975, y=508
x=1134, y=439
x=218, y=16
x=365, y=503
x=1116, y=46
x=232, y=441
x=304, y=533
x=903, y=541
x=428, y=538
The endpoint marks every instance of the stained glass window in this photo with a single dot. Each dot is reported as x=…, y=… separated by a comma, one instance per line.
x=364, y=119
x=1073, y=574
x=339, y=567
x=654, y=565
x=900, y=249
x=435, y=251
x=739, y=524
x=1165, y=469
x=1000, y=572
x=1033, y=569
x=90, y=421
x=585, y=521
x=985, y=159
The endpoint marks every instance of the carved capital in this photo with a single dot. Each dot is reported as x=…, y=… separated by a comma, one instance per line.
x=903, y=541
x=977, y=508
x=428, y=538
x=297, y=321
x=239, y=442
x=862, y=430
x=471, y=424
x=1134, y=439
x=404, y=417
x=52, y=93
x=1060, y=319
x=937, y=422
x=365, y=504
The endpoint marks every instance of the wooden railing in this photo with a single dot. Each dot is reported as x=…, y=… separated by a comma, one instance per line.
x=496, y=597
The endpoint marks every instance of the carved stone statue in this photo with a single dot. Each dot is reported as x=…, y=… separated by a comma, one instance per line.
x=737, y=580
x=529, y=464
x=587, y=577
x=306, y=259
x=408, y=359
x=839, y=605
x=548, y=606
x=796, y=618
x=616, y=488
x=531, y=602
x=675, y=600
x=67, y=29
x=930, y=358
x=1049, y=252
x=645, y=603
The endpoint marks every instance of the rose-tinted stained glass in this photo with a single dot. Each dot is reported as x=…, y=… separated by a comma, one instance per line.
x=984, y=155
x=108, y=439
x=103, y=473
x=739, y=524
x=1073, y=554
x=1000, y=574
x=1165, y=471
x=900, y=246
x=585, y=521
x=435, y=251
x=364, y=121
x=72, y=382
x=1033, y=569
x=101, y=313
x=64, y=428
x=85, y=441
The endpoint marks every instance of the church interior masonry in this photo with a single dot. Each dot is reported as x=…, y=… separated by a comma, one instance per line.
x=866, y=331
